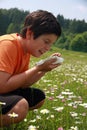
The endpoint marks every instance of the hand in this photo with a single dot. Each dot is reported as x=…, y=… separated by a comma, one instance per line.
x=48, y=65
x=56, y=54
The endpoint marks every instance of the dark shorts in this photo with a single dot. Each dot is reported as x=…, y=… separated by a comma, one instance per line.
x=32, y=95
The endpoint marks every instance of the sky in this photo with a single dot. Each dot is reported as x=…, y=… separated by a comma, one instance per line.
x=70, y=9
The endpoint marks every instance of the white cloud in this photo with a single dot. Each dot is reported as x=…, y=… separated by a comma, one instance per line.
x=82, y=8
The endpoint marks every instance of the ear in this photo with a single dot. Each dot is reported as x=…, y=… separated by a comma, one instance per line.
x=28, y=34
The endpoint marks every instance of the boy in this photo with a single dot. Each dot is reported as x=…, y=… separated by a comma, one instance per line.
x=40, y=31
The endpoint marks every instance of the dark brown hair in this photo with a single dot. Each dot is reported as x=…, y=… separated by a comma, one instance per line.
x=41, y=22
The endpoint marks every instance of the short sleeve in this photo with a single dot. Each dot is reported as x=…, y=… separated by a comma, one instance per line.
x=8, y=54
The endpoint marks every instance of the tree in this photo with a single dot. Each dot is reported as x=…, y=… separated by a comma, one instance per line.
x=77, y=26
x=79, y=43
x=4, y=21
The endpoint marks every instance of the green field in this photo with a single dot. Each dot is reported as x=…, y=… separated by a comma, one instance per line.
x=65, y=87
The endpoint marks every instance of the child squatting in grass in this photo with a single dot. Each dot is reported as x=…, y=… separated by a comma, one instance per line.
x=41, y=30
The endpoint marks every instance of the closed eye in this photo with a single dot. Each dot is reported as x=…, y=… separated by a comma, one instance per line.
x=47, y=42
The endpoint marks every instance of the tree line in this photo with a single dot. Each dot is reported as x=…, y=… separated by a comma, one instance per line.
x=74, y=32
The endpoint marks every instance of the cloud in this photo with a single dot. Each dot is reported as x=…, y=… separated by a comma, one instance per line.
x=82, y=8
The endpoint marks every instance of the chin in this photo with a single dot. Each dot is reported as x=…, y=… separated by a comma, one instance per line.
x=36, y=55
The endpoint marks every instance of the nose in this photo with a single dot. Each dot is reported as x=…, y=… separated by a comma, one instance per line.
x=47, y=47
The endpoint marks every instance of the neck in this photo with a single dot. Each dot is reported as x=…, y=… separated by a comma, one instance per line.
x=23, y=43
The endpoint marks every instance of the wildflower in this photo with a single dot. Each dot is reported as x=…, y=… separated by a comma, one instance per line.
x=84, y=105
x=72, y=96
x=51, y=98
x=33, y=120
x=78, y=122
x=59, y=109
x=63, y=100
x=2, y=103
x=52, y=93
x=13, y=115
x=83, y=114
x=38, y=117
x=85, y=83
x=63, y=83
x=44, y=111
x=67, y=93
x=31, y=127
x=71, y=104
x=52, y=116
x=74, y=128
x=73, y=114
x=60, y=128
x=75, y=106
x=25, y=120
x=60, y=97
x=35, y=110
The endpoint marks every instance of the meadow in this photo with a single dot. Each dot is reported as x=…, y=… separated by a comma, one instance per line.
x=65, y=87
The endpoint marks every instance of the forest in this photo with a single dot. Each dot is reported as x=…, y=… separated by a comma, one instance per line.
x=74, y=32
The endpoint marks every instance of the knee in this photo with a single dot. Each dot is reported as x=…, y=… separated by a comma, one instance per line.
x=21, y=109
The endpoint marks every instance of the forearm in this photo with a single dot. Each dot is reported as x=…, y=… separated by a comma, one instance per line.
x=33, y=79
x=26, y=78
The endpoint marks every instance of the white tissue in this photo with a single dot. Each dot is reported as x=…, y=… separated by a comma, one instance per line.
x=58, y=60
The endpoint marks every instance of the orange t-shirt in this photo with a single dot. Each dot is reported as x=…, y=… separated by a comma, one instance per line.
x=12, y=57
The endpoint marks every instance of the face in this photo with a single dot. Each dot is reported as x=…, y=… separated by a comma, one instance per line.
x=39, y=46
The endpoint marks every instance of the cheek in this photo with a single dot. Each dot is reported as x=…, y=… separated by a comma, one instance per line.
x=33, y=48
x=39, y=43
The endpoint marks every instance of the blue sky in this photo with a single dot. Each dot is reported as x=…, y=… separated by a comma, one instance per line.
x=68, y=8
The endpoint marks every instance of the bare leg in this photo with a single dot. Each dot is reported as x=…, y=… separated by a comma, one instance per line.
x=21, y=108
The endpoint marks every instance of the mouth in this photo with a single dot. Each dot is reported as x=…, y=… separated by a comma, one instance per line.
x=41, y=52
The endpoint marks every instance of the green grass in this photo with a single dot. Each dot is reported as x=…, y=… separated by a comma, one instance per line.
x=66, y=95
